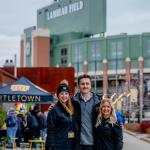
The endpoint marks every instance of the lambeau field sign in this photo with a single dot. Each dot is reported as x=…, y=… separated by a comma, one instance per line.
x=86, y=16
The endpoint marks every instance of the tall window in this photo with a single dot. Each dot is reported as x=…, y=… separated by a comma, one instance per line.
x=28, y=52
x=94, y=56
x=77, y=57
x=147, y=54
x=148, y=46
x=116, y=55
x=64, y=57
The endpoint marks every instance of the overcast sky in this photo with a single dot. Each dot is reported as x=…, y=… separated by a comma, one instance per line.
x=129, y=16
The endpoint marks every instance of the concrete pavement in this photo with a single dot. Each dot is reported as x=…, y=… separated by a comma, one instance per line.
x=142, y=136
x=132, y=142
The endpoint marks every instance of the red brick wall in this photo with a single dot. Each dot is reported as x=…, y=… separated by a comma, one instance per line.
x=48, y=78
x=41, y=52
x=5, y=77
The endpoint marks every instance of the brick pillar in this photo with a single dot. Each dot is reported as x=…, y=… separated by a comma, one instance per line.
x=127, y=103
x=128, y=75
x=41, y=48
x=22, y=51
x=105, y=77
x=85, y=67
x=140, y=63
x=141, y=85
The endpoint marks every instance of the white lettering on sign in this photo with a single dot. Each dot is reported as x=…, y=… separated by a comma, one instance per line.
x=57, y=12
x=74, y=7
x=20, y=98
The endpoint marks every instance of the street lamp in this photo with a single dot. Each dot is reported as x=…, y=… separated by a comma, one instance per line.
x=129, y=105
x=15, y=65
x=116, y=48
x=95, y=71
x=140, y=95
x=140, y=78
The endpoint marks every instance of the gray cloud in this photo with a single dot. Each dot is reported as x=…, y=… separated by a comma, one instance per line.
x=16, y=15
x=126, y=15
x=9, y=46
x=130, y=16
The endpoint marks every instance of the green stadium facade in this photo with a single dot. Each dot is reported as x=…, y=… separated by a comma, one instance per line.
x=72, y=33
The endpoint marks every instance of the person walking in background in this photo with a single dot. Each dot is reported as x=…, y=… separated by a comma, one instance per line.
x=22, y=122
x=41, y=118
x=61, y=122
x=32, y=124
x=84, y=102
x=108, y=131
x=12, y=126
x=120, y=117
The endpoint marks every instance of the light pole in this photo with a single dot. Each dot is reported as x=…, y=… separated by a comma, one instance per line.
x=140, y=77
x=15, y=65
x=127, y=85
x=116, y=48
x=95, y=67
x=95, y=71
x=140, y=72
x=78, y=65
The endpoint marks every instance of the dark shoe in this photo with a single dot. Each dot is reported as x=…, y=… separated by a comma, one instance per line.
x=9, y=145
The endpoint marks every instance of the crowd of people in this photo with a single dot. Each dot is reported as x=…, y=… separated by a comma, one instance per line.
x=81, y=122
x=25, y=126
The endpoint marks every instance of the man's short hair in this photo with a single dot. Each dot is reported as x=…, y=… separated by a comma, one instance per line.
x=83, y=76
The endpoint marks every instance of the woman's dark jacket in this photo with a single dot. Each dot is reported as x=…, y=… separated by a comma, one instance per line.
x=59, y=124
x=41, y=118
x=107, y=136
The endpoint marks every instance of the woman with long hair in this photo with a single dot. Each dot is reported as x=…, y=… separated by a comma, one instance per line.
x=61, y=124
x=108, y=130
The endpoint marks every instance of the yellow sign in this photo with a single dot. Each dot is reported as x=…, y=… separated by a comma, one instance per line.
x=71, y=134
x=20, y=87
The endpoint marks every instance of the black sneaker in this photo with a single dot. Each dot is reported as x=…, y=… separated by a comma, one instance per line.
x=9, y=146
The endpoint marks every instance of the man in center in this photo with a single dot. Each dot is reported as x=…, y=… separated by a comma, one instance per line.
x=84, y=102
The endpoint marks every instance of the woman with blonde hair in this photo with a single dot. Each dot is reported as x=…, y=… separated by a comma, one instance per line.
x=61, y=122
x=108, y=131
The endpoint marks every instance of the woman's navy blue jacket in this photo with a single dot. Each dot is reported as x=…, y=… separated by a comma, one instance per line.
x=107, y=136
x=59, y=124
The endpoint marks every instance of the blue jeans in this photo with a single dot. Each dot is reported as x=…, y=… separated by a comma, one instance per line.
x=43, y=133
x=11, y=132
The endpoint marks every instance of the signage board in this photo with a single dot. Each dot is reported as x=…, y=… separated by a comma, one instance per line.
x=86, y=16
